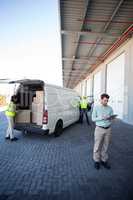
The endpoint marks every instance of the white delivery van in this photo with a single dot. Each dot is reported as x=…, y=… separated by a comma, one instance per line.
x=44, y=108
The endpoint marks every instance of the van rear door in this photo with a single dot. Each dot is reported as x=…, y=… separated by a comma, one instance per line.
x=6, y=91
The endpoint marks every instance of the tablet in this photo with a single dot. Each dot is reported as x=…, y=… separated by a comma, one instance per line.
x=112, y=116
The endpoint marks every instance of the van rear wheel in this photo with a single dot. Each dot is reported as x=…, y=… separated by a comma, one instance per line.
x=58, y=129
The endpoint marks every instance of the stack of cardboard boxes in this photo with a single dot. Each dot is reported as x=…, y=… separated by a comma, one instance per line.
x=37, y=108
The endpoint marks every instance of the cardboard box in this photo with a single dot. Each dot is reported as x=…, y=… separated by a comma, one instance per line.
x=37, y=107
x=39, y=96
x=37, y=118
x=34, y=118
x=23, y=116
x=34, y=107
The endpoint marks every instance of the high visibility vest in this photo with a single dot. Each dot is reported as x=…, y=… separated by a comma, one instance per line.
x=10, y=111
x=83, y=104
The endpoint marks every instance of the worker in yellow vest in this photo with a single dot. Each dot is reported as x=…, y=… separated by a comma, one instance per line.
x=10, y=114
x=84, y=109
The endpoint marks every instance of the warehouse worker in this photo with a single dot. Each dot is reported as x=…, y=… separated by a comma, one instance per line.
x=101, y=115
x=10, y=114
x=83, y=105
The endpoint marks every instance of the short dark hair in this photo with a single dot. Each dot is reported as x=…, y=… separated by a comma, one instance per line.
x=104, y=96
x=13, y=98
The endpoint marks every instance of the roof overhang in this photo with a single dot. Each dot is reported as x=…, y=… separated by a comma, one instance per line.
x=90, y=31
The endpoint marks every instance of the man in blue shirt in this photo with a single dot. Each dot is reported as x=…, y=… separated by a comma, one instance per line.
x=101, y=116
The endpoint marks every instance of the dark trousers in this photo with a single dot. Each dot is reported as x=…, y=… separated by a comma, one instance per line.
x=82, y=113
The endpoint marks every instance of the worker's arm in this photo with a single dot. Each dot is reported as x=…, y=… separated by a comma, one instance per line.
x=95, y=117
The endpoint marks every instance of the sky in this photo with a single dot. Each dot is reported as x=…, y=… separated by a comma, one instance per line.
x=30, y=44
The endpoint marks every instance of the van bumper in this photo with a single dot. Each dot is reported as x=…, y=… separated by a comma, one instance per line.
x=30, y=128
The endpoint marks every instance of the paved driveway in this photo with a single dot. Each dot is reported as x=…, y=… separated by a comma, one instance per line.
x=49, y=168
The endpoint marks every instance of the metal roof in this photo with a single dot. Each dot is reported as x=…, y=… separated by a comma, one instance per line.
x=89, y=29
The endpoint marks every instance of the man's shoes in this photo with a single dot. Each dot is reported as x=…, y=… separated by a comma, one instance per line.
x=105, y=164
x=7, y=138
x=14, y=139
x=97, y=165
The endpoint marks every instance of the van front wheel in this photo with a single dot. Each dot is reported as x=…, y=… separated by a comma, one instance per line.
x=58, y=129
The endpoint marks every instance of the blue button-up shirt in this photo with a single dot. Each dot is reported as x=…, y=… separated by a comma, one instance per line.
x=99, y=113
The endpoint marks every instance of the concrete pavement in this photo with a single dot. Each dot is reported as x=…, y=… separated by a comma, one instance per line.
x=49, y=168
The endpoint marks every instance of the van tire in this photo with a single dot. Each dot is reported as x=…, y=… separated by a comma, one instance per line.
x=58, y=128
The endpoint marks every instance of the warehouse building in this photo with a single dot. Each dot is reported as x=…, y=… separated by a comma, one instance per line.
x=97, y=51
